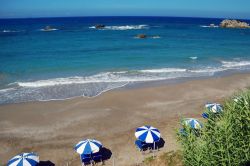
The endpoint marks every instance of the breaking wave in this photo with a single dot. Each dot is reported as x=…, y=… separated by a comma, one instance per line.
x=156, y=37
x=193, y=57
x=94, y=85
x=233, y=64
x=47, y=30
x=164, y=70
x=11, y=31
x=124, y=27
x=209, y=26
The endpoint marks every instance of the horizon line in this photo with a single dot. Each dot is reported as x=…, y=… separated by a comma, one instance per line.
x=121, y=16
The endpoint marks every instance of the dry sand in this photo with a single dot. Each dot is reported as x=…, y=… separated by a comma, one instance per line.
x=53, y=128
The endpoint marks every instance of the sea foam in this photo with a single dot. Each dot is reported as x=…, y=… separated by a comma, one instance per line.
x=208, y=26
x=193, y=57
x=94, y=85
x=11, y=31
x=120, y=77
x=47, y=30
x=233, y=64
x=124, y=27
x=164, y=70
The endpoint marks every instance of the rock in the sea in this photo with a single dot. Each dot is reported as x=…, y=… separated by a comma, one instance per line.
x=234, y=24
x=47, y=28
x=141, y=36
x=99, y=26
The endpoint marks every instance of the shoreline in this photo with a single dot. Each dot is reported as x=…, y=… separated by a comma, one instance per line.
x=145, y=84
x=52, y=128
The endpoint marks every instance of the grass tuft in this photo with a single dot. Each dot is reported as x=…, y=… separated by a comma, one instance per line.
x=172, y=158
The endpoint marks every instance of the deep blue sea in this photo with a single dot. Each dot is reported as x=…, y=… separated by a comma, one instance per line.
x=75, y=59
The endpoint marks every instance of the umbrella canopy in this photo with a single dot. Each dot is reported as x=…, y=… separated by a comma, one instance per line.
x=88, y=146
x=148, y=134
x=24, y=159
x=191, y=122
x=214, y=107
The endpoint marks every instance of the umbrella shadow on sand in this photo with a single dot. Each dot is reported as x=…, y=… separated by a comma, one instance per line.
x=159, y=144
x=106, y=155
x=46, y=163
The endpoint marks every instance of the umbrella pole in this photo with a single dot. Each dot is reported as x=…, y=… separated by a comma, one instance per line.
x=81, y=160
x=154, y=151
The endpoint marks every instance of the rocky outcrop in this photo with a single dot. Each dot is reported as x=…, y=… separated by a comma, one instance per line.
x=234, y=24
x=144, y=36
x=48, y=28
x=99, y=26
x=141, y=36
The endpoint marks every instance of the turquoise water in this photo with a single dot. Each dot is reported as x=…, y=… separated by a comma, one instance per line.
x=75, y=59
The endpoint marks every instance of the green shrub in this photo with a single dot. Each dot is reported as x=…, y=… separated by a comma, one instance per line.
x=224, y=140
x=149, y=160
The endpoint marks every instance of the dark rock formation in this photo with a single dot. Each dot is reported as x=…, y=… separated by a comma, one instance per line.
x=47, y=28
x=99, y=26
x=141, y=36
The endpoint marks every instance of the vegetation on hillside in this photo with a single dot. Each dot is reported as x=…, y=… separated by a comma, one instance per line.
x=224, y=139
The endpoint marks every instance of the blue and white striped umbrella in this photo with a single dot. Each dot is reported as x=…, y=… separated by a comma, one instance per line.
x=24, y=159
x=148, y=134
x=214, y=107
x=88, y=146
x=191, y=122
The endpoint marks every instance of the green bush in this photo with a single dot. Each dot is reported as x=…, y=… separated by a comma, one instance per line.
x=224, y=139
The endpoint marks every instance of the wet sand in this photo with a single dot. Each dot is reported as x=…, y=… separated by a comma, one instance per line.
x=53, y=128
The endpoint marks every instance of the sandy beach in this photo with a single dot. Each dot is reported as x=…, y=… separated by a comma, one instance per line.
x=53, y=128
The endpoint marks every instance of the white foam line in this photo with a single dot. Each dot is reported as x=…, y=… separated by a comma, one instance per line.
x=208, y=26
x=123, y=27
x=193, y=57
x=164, y=70
x=130, y=76
x=106, y=90
x=232, y=64
x=114, y=77
x=7, y=89
x=48, y=30
x=11, y=31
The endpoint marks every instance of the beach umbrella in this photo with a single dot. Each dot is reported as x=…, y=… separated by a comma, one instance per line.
x=148, y=134
x=24, y=159
x=214, y=107
x=88, y=146
x=191, y=122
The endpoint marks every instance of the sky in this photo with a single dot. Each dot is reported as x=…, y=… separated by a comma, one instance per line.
x=67, y=8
